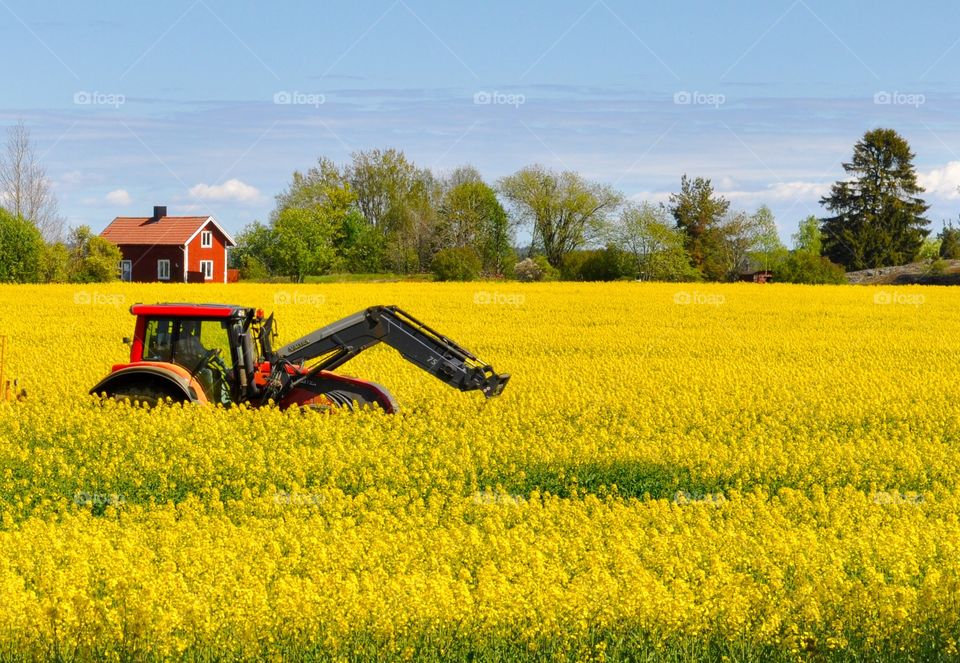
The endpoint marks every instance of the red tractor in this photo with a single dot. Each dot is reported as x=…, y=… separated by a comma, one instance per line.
x=216, y=353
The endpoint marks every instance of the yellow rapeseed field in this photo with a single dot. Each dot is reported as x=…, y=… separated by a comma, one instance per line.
x=735, y=472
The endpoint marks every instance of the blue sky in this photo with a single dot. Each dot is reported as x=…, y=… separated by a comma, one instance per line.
x=208, y=106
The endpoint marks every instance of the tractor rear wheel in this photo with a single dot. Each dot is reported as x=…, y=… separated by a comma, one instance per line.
x=145, y=393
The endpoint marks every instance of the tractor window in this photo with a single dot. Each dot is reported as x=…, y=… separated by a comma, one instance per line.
x=197, y=337
x=214, y=335
x=185, y=341
x=158, y=340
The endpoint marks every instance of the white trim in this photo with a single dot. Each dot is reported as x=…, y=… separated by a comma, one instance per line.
x=206, y=235
x=163, y=262
x=226, y=261
x=186, y=263
x=204, y=271
x=210, y=219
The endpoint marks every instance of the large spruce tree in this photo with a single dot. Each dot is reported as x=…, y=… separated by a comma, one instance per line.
x=877, y=215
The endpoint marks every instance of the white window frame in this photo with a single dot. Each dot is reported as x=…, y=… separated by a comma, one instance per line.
x=206, y=267
x=163, y=269
x=206, y=239
x=126, y=266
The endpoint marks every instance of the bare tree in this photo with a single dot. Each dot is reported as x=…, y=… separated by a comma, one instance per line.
x=24, y=188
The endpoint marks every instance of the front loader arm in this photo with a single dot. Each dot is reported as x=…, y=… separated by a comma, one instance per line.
x=341, y=341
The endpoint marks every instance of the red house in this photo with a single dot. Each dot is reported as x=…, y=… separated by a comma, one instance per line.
x=185, y=249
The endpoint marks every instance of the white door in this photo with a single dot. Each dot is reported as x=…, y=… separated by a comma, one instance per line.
x=126, y=270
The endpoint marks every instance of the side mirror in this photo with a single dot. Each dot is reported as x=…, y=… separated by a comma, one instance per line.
x=127, y=341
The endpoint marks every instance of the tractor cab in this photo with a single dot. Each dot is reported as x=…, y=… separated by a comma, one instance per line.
x=207, y=348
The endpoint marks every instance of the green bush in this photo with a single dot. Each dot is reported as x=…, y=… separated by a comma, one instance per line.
x=609, y=264
x=21, y=249
x=458, y=264
x=93, y=259
x=547, y=271
x=55, y=263
x=805, y=267
x=253, y=269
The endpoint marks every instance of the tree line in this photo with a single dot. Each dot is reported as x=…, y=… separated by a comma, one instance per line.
x=381, y=213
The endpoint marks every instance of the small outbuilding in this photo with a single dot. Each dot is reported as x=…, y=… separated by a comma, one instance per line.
x=761, y=276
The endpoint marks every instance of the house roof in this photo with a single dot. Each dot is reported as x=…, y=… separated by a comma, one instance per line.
x=167, y=230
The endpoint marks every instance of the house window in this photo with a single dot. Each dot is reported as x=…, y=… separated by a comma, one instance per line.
x=206, y=266
x=206, y=239
x=163, y=270
x=126, y=270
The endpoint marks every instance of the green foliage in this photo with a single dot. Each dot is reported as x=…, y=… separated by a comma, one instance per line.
x=55, y=263
x=562, y=209
x=456, y=264
x=254, y=241
x=929, y=250
x=471, y=215
x=323, y=185
x=877, y=215
x=252, y=269
x=808, y=237
x=360, y=246
x=92, y=258
x=748, y=243
x=547, y=271
x=655, y=249
x=607, y=264
x=806, y=267
x=21, y=248
x=302, y=243
x=938, y=267
x=949, y=242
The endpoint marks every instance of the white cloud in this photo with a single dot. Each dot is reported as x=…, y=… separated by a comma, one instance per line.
x=787, y=192
x=80, y=178
x=232, y=190
x=118, y=197
x=942, y=182
x=650, y=197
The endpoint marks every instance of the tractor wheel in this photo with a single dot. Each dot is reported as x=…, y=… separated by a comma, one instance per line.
x=144, y=393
